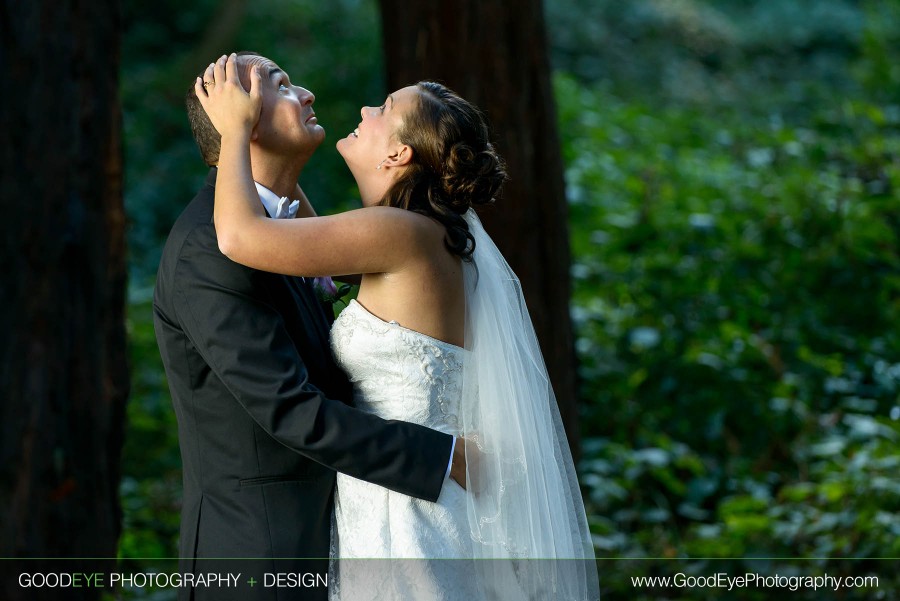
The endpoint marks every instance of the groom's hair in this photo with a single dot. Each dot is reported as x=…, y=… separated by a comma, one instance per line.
x=208, y=139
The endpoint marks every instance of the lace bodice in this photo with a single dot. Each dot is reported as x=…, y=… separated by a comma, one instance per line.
x=398, y=373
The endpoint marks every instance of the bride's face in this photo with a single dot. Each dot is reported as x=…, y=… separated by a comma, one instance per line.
x=374, y=142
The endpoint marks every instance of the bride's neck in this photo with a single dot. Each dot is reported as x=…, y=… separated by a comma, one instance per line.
x=373, y=190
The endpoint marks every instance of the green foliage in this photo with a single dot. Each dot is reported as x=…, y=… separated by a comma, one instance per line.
x=732, y=251
x=736, y=301
x=712, y=49
x=151, y=483
x=879, y=67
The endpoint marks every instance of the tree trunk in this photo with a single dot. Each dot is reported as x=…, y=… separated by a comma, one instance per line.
x=493, y=53
x=63, y=374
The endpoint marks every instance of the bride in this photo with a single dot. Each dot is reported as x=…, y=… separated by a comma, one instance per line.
x=439, y=316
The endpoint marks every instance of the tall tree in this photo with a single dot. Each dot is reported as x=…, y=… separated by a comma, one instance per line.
x=493, y=53
x=63, y=374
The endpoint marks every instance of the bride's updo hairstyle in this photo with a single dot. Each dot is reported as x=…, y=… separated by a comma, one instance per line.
x=454, y=166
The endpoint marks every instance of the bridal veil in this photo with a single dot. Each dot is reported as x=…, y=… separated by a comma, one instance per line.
x=529, y=530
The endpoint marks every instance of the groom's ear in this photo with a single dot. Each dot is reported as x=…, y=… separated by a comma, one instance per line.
x=254, y=135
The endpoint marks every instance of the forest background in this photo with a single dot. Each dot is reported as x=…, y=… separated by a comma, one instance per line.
x=733, y=180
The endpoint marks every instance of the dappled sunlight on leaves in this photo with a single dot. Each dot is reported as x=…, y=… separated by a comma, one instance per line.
x=736, y=306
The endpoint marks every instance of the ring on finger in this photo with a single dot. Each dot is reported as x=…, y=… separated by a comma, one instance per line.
x=206, y=84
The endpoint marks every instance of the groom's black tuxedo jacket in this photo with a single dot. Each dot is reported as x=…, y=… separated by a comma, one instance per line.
x=252, y=378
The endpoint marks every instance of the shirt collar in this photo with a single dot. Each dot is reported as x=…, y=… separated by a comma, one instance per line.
x=269, y=199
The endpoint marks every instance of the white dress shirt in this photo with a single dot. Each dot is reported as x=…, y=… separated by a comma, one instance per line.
x=277, y=208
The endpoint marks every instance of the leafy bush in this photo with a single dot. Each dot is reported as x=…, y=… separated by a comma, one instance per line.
x=712, y=49
x=736, y=306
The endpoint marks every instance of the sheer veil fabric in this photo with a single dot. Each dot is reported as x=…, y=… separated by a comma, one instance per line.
x=525, y=512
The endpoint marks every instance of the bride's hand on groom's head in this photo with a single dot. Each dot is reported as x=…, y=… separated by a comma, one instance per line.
x=230, y=108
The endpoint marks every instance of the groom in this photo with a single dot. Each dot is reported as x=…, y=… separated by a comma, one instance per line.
x=262, y=419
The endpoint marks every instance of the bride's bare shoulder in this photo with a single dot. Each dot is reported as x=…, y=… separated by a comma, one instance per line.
x=423, y=228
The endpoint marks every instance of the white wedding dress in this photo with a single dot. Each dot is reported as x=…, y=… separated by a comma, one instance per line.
x=399, y=374
x=523, y=534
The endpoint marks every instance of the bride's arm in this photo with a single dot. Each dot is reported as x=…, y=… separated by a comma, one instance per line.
x=306, y=210
x=370, y=240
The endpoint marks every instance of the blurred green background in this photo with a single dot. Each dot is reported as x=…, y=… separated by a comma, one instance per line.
x=733, y=177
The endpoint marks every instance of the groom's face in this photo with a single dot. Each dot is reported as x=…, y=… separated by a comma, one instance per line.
x=287, y=122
